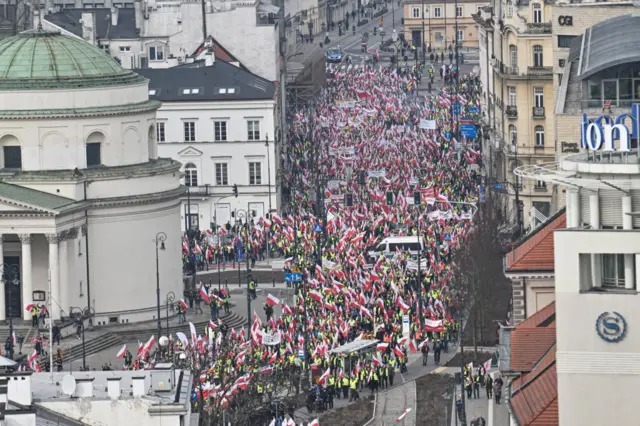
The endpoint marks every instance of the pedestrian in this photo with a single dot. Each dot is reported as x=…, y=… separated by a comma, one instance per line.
x=476, y=386
x=55, y=333
x=497, y=389
x=488, y=382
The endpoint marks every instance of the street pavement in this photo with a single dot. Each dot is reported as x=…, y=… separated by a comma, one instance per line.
x=392, y=404
x=494, y=414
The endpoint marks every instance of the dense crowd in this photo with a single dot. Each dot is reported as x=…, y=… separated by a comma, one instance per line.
x=362, y=150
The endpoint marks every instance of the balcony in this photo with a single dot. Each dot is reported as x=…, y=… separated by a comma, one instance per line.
x=541, y=28
x=538, y=112
x=540, y=72
x=199, y=190
x=512, y=111
x=540, y=188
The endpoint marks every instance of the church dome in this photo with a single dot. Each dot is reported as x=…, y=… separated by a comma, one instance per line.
x=40, y=59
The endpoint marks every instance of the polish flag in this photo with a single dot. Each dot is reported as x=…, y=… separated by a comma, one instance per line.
x=147, y=346
x=316, y=295
x=325, y=375
x=33, y=356
x=277, y=220
x=402, y=416
x=272, y=300
x=398, y=352
x=288, y=261
x=212, y=325
x=122, y=351
x=184, y=305
x=194, y=335
x=204, y=294
x=376, y=361
x=222, y=231
x=487, y=365
x=374, y=276
x=412, y=346
x=286, y=309
x=316, y=422
x=382, y=347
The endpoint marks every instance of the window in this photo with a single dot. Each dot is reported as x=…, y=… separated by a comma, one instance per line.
x=543, y=207
x=512, y=96
x=537, y=56
x=191, y=213
x=160, y=135
x=12, y=157
x=538, y=97
x=436, y=12
x=613, y=270
x=509, y=9
x=156, y=53
x=539, y=131
x=513, y=54
x=189, y=131
x=190, y=175
x=541, y=184
x=565, y=41
x=537, y=13
x=460, y=36
x=459, y=12
x=415, y=12
x=255, y=173
x=125, y=48
x=513, y=134
x=222, y=174
x=253, y=130
x=93, y=154
x=220, y=130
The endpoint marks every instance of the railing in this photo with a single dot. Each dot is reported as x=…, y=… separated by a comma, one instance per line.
x=540, y=71
x=538, y=28
x=512, y=111
x=540, y=188
x=199, y=190
x=538, y=112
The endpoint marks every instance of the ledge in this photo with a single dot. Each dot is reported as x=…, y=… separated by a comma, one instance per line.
x=23, y=114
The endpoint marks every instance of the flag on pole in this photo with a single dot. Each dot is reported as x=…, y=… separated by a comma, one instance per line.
x=122, y=351
x=402, y=416
x=272, y=300
x=184, y=305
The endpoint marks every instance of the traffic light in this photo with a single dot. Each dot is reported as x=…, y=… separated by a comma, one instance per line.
x=416, y=198
x=361, y=178
x=389, y=198
x=235, y=190
x=253, y=213
x=348, y=199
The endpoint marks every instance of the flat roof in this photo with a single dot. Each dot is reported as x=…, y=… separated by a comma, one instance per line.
x=355, y=346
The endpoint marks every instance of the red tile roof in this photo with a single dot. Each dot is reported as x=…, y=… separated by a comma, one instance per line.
x=534, y=396
x=535, y=252
x=533, y=338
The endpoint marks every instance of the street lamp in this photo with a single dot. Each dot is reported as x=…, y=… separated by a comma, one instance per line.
x=10, y=274
x=171, y=297
x=159, y=240
x=240, y=215
x=266, y=144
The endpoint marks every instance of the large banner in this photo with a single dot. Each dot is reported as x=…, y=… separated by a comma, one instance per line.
x=271, y=339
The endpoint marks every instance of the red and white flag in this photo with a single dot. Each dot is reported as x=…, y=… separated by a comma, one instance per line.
x=184, y=305
x=412, y=346
x=487, y=365
x=203, y=294
x=316, y=422
x=315, y=295
x=272, y=300
x=33, y=357
x=403, y=415
x=122, y=351
x=381, y=347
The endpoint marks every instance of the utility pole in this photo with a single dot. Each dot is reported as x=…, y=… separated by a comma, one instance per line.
x=204, y=21
x=423, y=36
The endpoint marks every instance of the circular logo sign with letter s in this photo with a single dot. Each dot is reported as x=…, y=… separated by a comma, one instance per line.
x=611, y=326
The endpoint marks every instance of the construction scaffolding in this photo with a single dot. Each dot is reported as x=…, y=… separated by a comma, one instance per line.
x=305, y=79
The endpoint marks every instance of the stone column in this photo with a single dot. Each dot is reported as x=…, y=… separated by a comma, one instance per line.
x=54, y=275
x=3, y=314
x=27, y=286
x=629, y=258
x=63, y=246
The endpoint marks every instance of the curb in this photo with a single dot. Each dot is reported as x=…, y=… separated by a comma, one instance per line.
x=375, y=405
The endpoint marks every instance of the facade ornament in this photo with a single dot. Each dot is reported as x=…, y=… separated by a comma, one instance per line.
x=25, y=238
x=84, y=229
x=52, y=238
x=72, y=233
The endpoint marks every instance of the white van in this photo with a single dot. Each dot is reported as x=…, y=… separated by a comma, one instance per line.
x=389, y=245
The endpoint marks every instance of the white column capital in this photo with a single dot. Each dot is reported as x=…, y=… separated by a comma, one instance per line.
x=25, y=239
x=53, y=238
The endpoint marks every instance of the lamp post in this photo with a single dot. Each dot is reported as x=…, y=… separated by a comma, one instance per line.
x=423, y=43
x=159, y=240
x=240, y=215
x=171, y=297
x=10, y=275
x=266, y=144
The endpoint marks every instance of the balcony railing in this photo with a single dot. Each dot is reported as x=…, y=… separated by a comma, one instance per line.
x=512, y=111
x=538, y=28
x=199, y=190
x=538, y=112
x=540, y=188
x=540, y=71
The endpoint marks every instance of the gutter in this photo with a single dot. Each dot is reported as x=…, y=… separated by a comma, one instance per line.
x=507, y=400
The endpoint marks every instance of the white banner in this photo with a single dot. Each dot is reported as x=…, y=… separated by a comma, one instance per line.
x=427, y=124
x=271, y=339
x=377, y=173
x=413, y=264
x=432, y=323
x=327, y=264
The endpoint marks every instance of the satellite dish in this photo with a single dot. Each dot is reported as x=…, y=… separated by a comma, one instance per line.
x=164, y=341
x=68, y=385
x=476, y=69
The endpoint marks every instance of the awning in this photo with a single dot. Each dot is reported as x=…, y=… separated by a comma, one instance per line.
x=268, y=8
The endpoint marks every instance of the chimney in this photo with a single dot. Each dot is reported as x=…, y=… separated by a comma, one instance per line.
x=138, y=386
x=84, y=388
x=19, y=389
x=209, y=57
x=114, y=16
x=137, y=5
x=113, y=387
x=88, y=27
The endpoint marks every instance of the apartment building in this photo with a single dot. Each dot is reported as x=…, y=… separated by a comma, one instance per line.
x=516, y=61
x=434, y=22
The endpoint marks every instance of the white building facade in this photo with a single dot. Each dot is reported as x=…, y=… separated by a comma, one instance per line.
x=82, y=189
x=223, y=135
x=597, y=260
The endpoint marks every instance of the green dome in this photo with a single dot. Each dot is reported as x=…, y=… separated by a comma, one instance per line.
x=39, y=59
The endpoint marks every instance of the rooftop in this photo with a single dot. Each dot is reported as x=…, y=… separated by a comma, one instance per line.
x=535, y=252
x=532, y=338
x=69, y=19
x=32, y=198
x=220, y=81
x=36, y=60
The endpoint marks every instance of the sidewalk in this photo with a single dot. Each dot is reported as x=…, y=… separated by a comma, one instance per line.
x=494, y=414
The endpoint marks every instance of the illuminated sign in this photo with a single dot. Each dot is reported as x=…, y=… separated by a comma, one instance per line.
x=601, y=133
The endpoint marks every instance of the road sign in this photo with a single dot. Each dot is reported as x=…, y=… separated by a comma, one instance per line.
x=481, y=194
x=447, y=237
x=447, y=135
x=317, y=228
x=405, y=326
x=497, y=186
x=293, y=277
x=456, y=108
x=301, y=353
x=473, y=110
x=466, y=120
x=469, y=131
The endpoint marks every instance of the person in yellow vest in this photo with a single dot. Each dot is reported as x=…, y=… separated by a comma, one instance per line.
x=353, y=384
x=345, y=386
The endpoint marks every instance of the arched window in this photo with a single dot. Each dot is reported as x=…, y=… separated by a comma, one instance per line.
x=190, y=175
x=539, y=131
x=94, y=147
x=513, y=134
x=537, y=13
x=537, y=56
x=11, y=152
